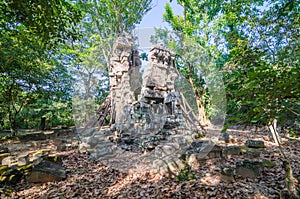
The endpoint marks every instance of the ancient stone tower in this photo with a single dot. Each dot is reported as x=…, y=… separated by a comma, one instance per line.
x=124, y=76
x=147, y=108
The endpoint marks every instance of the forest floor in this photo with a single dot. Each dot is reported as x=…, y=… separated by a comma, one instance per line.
x=92, y=179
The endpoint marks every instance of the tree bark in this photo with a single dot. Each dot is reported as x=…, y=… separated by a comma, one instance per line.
x=289, y=182
x=273, y=129
x=291, y=191
x=43, y=123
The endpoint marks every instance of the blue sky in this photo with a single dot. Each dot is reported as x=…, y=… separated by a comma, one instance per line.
x=154, y=18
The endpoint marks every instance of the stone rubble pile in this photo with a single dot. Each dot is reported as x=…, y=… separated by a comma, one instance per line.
x=36, y=161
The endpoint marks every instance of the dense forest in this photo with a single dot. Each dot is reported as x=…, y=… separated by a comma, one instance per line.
x=50, y=50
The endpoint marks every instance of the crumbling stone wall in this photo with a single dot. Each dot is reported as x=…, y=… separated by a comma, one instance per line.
x=124, y=76
x=154, y=124
x=150, y=111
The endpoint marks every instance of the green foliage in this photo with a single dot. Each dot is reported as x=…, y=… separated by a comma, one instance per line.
x=114, y=17
x=196, y=59
x=52, y=22
x=104, y=21
x=185, y=174
x=256, y=43
x=30, y=34
x=262, y=74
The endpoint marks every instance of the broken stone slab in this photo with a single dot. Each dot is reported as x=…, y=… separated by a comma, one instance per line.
x=204, y=149
x=248, y=169
x=227, y=173
x=4, y=155
x=46, y=171
x=23, y=160
x=255, y=144
x=9, y=161
x=229, y=151
x=10, y=175
x=216, y=152
x=252, y=153
x=193, y=162
x=61, y=148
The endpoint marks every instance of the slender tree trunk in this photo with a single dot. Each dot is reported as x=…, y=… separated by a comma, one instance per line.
x=12, y=124
x=291, y=191
x=289, y=181
x=273, y=129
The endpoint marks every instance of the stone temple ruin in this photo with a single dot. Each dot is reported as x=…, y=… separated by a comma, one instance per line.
x=150, y=109
x=152, y=119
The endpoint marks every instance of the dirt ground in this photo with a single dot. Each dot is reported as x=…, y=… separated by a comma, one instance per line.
x=92, y=179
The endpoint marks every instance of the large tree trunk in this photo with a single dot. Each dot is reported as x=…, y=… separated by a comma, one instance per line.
x=12, y=124
x=104, y=110
x=43, y=123
x=201, y=109
x=201, y=112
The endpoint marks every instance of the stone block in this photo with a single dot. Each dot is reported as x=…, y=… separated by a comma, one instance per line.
x=23, y=160
x=9, y=161
x=216, y=152
x=46, y=171
x=10, y=175
x=227, y=173
x=204, y=149
x=228, y=152
x=193, y=162
x=61, y=148
x=255, y=144
x=253, y=153
x=247, y=169
x=4, y=155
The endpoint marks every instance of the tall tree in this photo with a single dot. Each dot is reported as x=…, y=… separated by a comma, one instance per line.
x=259, y=45
x=262, y=70
x=104, y=21
x=30, y=32
x=195, y=56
